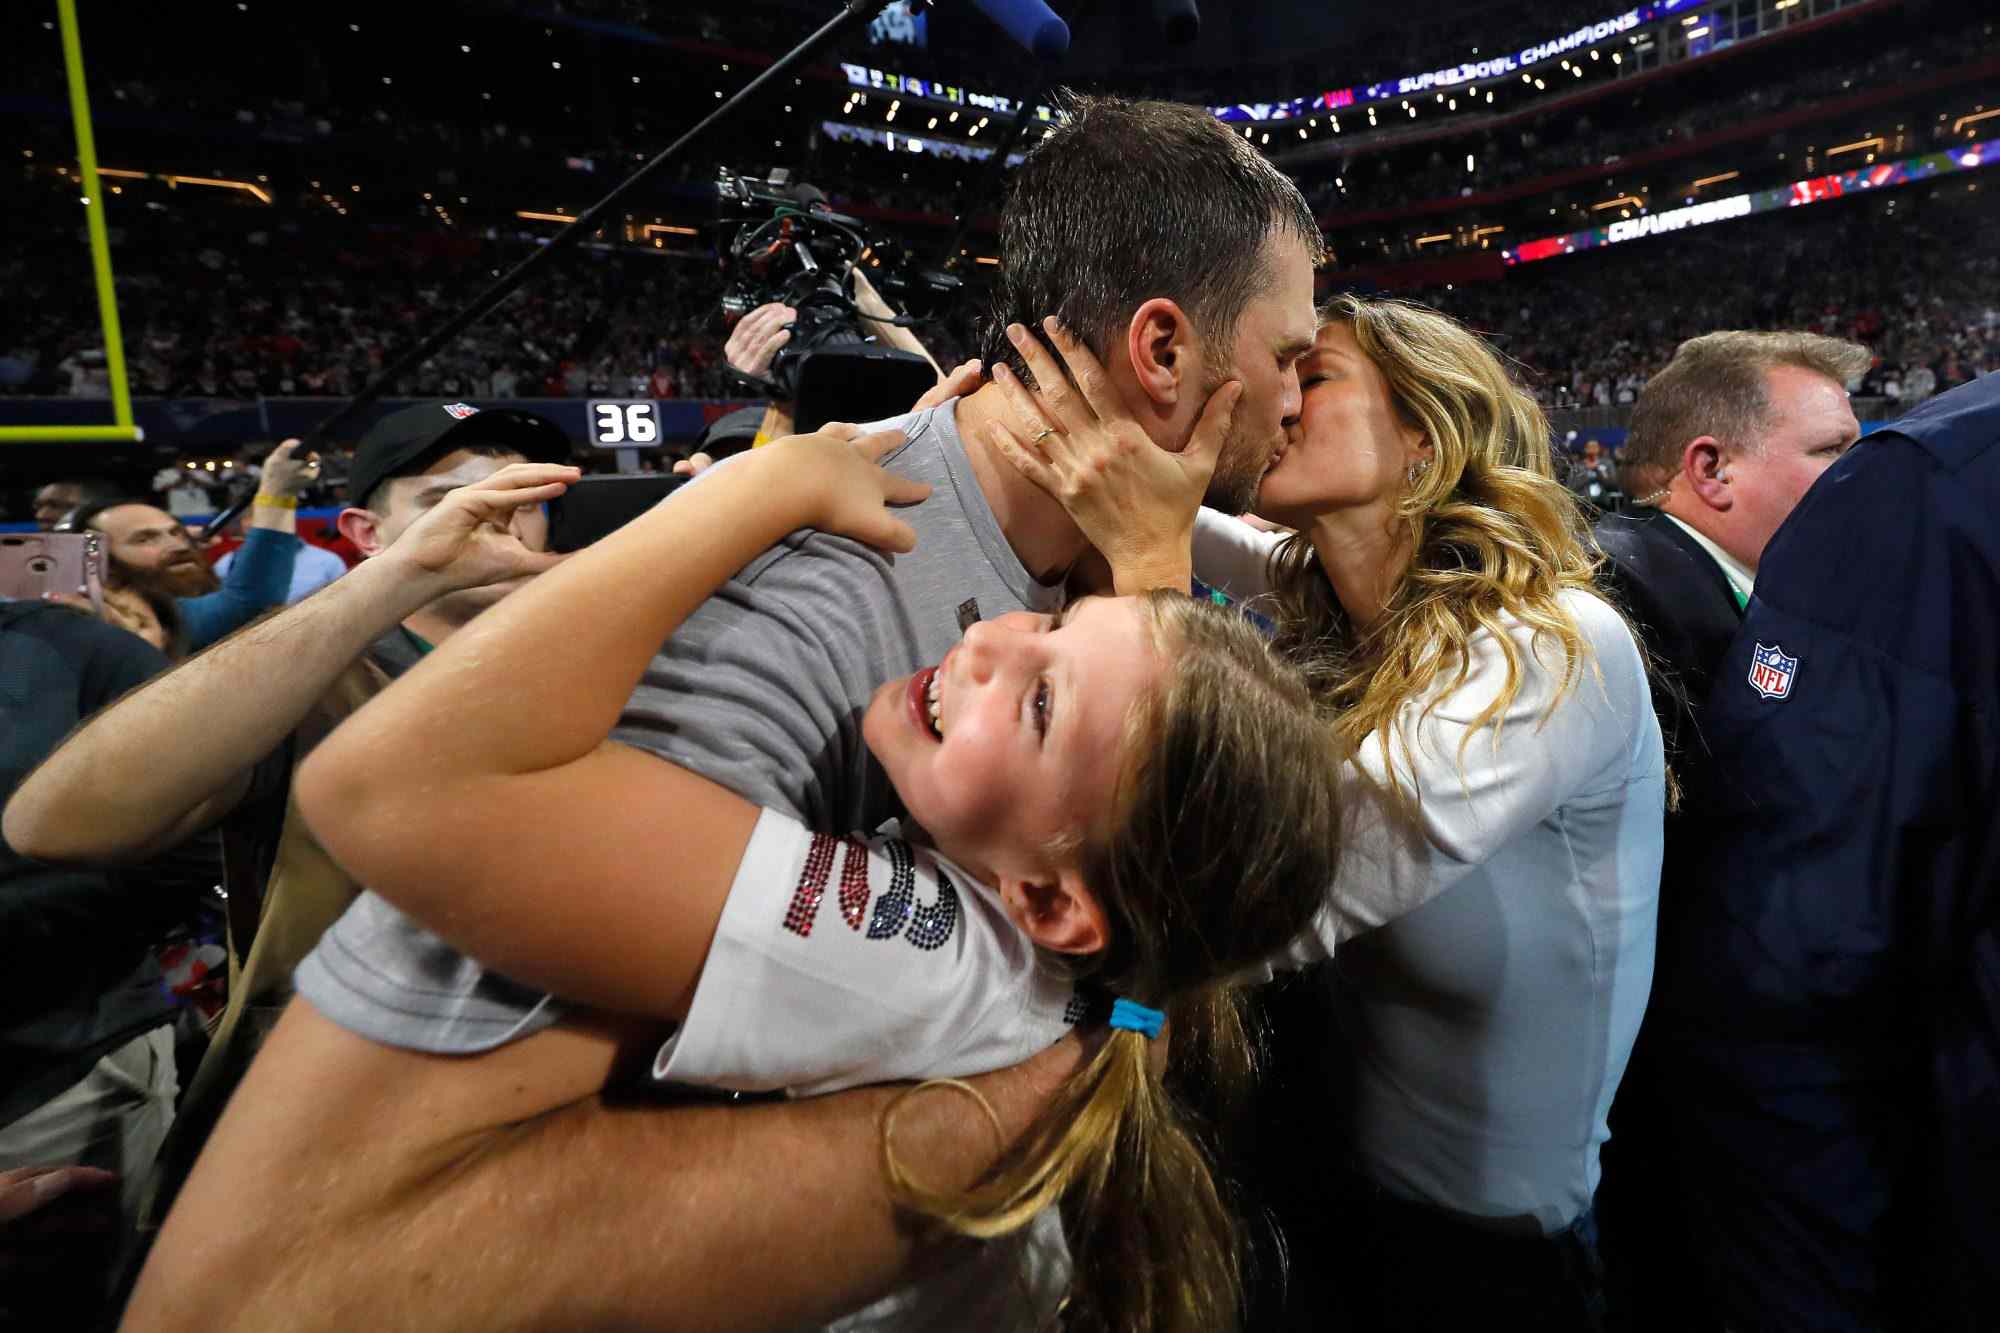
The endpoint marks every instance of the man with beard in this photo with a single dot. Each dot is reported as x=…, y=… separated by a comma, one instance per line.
x=157, y=583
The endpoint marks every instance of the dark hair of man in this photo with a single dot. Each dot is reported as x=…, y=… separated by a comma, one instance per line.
x=1128, y=201
x=377, y=500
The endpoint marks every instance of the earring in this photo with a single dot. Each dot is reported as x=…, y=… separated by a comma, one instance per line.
x=1417, y=470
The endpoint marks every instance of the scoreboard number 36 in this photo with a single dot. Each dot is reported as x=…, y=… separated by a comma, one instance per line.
x=624, y=423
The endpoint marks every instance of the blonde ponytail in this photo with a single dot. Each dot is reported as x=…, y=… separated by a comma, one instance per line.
x=1224, y=839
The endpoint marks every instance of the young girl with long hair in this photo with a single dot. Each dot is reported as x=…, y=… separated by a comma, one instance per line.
x=1134, y=795
x=1504, y=784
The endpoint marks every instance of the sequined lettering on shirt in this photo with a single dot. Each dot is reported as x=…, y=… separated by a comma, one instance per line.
x=892, y=909
x=931, y=924
x=854, y=884
x=812, y=885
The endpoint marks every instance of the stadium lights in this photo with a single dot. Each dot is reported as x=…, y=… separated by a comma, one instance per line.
x=1717, y=180
x=1540, y=85
x=1468, y=162
x=1690, y=20
x=542, y=217
x=1963, y=121
x=1693, y=33
x=1876, y=143
x=1613, y=203
x=174, y=182
x=1489, y=98
x=1452, y=105
x=1432, y=240
x=1617, y=57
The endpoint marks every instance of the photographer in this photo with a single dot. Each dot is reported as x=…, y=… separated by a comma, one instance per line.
x=758, y=338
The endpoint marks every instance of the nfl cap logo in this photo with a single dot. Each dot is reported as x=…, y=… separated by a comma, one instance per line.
x=459, y=411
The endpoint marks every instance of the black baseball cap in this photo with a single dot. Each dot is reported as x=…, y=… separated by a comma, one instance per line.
x=399, y=442
x=732, y=432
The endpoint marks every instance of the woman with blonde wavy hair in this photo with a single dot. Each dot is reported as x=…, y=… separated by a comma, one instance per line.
x=1492, y=923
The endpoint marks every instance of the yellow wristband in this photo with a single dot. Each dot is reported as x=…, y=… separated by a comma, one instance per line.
x=277, y=501
x=761, y=440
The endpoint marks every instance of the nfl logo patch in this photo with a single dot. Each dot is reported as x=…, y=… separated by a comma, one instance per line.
x=459, y=411
x=1772, y=672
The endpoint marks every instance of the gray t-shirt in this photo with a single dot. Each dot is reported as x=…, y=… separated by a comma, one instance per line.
x=762, y=689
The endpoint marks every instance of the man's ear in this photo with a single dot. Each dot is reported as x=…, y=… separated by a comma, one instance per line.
x=363, y=528
x=1160, y=344
x=1705, y=464
x=1060, y=913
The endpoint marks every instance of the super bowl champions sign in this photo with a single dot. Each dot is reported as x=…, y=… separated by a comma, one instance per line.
x=1451, y=76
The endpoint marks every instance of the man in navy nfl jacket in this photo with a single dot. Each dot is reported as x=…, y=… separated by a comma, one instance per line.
x=1833, y=1015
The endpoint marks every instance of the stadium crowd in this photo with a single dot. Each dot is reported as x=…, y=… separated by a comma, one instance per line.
x=1375, y=173
x=1914, y=276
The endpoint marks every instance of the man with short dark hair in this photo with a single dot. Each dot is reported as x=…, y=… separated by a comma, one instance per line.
x=1724, y=441
x=59, y=499
x=1071, y=251
x=761, y=691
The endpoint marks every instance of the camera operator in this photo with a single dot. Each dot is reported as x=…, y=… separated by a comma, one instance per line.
x=760, y=335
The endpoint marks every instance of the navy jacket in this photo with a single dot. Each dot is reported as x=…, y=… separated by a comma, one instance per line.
x=1831, y=993
x=77, y=976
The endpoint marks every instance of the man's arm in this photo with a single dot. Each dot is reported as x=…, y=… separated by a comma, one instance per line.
x=177, y=755
x=459, y=1203
x=261, y=574
x=877, y=313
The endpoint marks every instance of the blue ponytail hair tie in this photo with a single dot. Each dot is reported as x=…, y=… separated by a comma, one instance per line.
x=1137, y=1018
